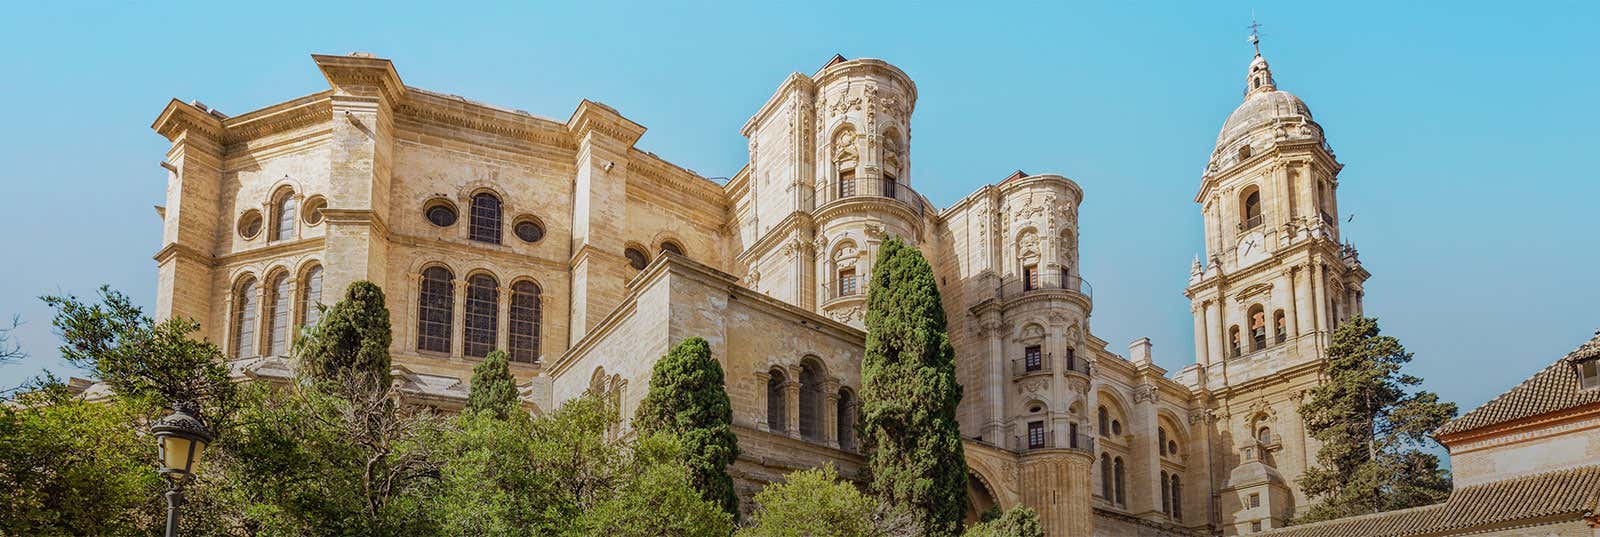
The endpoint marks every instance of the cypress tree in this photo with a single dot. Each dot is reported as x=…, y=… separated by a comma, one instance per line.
x=909, y=394
x=351, y=339
x=688, y=398
x=493, y=389
x=1372, y=431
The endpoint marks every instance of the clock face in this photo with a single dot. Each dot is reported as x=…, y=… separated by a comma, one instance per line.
x=1252, y=248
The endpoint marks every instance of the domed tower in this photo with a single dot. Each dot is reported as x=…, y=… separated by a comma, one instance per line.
x=1274, y=284
x=862, y=190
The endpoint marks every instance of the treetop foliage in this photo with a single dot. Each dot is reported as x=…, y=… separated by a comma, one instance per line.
x=352, y=339
x=493, y=388
x=688, y=398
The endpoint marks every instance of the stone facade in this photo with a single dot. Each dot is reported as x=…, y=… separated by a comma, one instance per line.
x=587, y=258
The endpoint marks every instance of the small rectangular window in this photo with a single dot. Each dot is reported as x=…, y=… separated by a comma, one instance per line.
x=1255, y=501
x=1255, y=527
x=1033, y=358
x=847, y=183
x=1591, y=374
x=1030, y=278
x=847, y=282
x=1035, y=434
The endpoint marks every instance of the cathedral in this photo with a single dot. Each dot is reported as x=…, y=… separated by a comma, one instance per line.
x=586, y=259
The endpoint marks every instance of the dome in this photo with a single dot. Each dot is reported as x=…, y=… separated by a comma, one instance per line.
x=1260, y=109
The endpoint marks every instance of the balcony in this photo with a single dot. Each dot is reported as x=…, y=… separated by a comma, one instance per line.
x=845, y=287
x=1079, y=366
x=870, y=188
x=1021, y=367
x=1046, y=283
x=1252, y=222
x=1080, y=442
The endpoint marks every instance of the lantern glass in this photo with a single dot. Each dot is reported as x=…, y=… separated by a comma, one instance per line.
x=181, y=455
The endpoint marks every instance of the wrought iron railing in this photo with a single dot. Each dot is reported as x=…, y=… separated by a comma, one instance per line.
x=844, y=287
x=1081, y=442
x=869, y=187
x=1252, y=222
x=1046, y=282
x=1077, y=364
x=1022, y=366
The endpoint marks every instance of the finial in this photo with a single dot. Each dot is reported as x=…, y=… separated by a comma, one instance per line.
x=1255, y=32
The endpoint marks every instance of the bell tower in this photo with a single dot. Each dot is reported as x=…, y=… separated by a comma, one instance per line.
x=1274, y=283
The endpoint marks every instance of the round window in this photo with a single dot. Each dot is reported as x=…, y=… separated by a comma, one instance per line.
x=250, y=224
x=529, y=231
x=441, y=214
x=636, y=258
x=1172, y=447
x=313, y=210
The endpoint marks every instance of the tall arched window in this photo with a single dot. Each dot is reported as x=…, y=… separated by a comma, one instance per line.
x=1105, y=422
x=1121, y=481
x=244, y=318
x=1280, y=327
x=283, y=213
x=1264, y=435
x=525, y=321
x=1105, y=476
x=484, y=225
x=1161, y=440
x=483, y=315
x=846, y=421
x=311, y=296
x=1258, y=328
x=810, y=401
x=1234, y=345
x=1252, y=210
x=436, y=302
x=1177, y=498
x=776, y=406
x=278, y=305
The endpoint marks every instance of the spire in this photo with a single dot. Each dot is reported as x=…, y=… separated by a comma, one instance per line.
x=1259, y=78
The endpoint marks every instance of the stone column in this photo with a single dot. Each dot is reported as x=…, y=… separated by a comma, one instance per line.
x=1055, y=483
x=292, y=294
x=1305, y=308
x=192, y=218
x=365, y=92
x=997, y=382
x=830, y=413
x=502, y=317
x=458, y=317
x=263, y=310
x=1319, y=296
x=791, y=403
x=762, y=378
x=1217, y=333
x=1202, y=344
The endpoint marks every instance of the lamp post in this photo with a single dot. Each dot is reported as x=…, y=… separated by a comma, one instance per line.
x=181, y=438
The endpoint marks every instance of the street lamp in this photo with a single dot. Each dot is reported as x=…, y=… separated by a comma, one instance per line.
x=182, y=438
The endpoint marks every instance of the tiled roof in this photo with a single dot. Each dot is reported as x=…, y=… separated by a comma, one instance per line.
x=1549, y=496
x=1553, y=389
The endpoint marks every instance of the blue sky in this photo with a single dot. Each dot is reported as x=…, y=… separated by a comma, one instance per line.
x=1467, y=130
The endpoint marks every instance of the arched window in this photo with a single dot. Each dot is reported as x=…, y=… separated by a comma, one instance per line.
x=1116, y=427
x=1105, y=422
x=283, y=213
x=1252, y=210
x=776, y=407
x=671, y=248
x=436, y=302
x=1177, y=498
x=525, y=321
x=1264, y=435
x=311, y=296
x=1161, y=440
x=278, y=304
x=244, y=319
x=483, y=315
x=1233, y=342
x=810, y=402
x=1105, y=476
x=1166, y=498
x=485, y=219
x=1121, y=481
x=636, y=258
x=1258, y=328
x=1280, y=327
x=846, y=421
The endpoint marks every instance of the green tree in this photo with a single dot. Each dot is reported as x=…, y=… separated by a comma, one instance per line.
x=337, y=453
x=493, y=389
x=1018, y=521
x=72, y=467
x=688, y=399
x=1373, y=428
x=352, y=339
x=909, y=394
x=158, y=364
x=816, y=503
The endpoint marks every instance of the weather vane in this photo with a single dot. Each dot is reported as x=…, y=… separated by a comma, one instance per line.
x=1255, y=33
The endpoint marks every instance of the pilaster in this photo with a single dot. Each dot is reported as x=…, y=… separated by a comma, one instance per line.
x=365, y=92
x=192, y=217
x=599, y=271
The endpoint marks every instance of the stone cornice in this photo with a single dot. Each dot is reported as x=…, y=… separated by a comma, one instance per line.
x=179, y=116
x=282, y=117
x=1006, y=187
x=776, y=235
x=1515, y=431
x=176, y=250
x=1279, y=258
x=1286, y=150
x=591, y=116
x=353, y=75
x=356, y=216
x=865, y=65
x=275, y=249
x=428, y=107
x=872, y=206
x=654, y=167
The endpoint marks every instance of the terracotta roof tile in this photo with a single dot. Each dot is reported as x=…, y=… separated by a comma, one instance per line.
x=1553, y=389
x=1547, y=496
